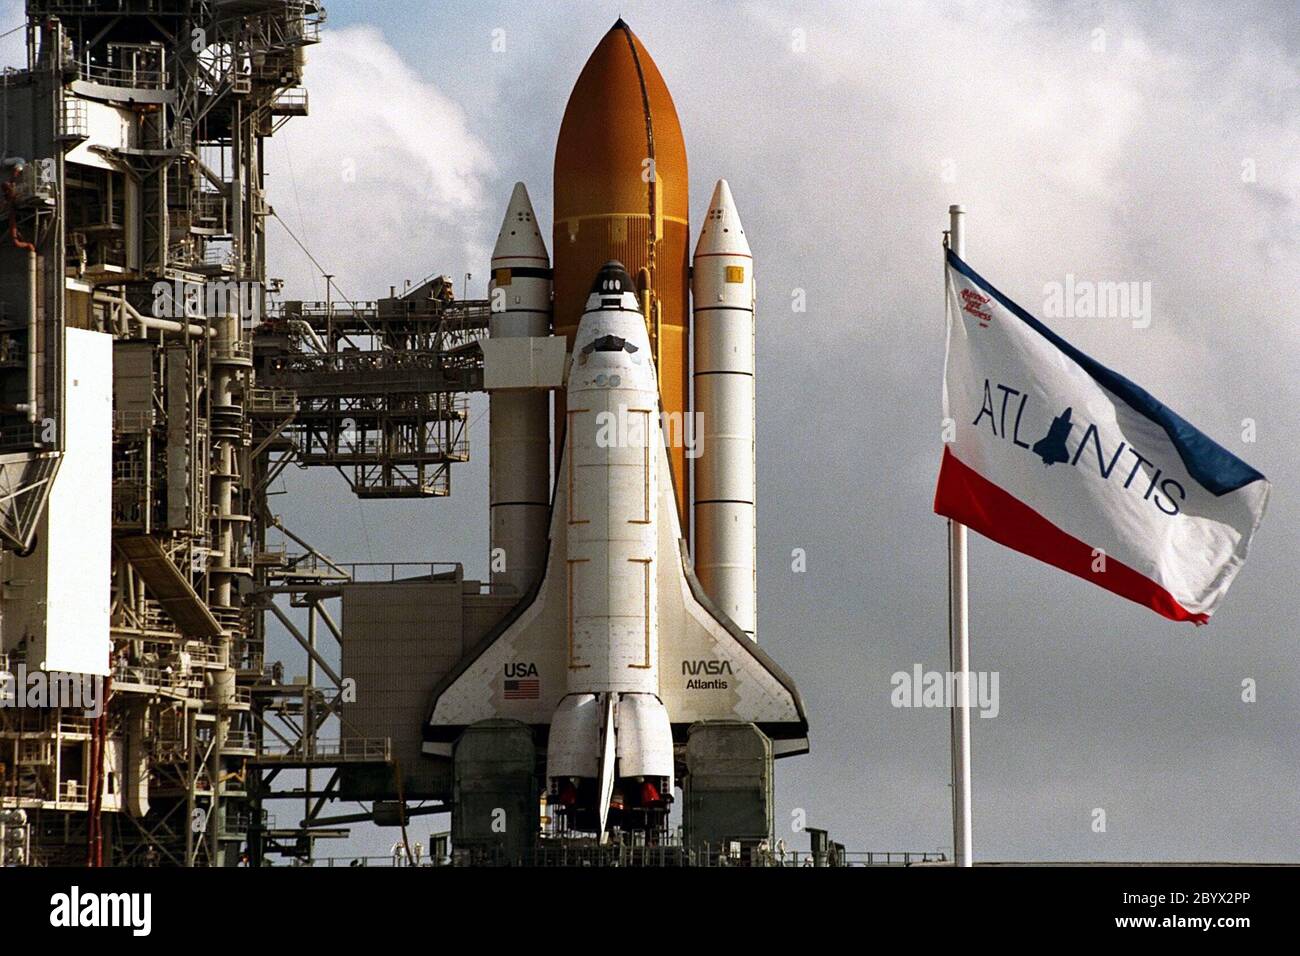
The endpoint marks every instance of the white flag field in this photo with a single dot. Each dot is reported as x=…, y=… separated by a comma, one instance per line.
x=1055, y=455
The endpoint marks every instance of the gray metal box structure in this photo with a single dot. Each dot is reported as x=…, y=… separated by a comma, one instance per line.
x=399, y=639
x=727, y=791
x=496, y=813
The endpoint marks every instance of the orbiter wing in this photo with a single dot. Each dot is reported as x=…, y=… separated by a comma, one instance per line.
x=708, y=668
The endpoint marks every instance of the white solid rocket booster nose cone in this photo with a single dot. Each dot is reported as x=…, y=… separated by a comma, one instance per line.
x=722, y=232
x=519, y=237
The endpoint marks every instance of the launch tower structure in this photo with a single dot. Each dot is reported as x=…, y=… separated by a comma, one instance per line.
x=135, y=444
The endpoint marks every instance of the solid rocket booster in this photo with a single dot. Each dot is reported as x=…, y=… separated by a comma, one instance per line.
x=621, y=193
x=722, y=294
x=611, y=475
x=519, y=436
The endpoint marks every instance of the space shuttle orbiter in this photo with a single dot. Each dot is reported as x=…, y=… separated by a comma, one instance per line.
x=616, y=651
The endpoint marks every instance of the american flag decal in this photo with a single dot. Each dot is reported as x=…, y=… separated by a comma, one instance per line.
x=529, y=689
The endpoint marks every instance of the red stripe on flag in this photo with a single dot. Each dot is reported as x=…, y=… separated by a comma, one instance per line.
x=971, y=499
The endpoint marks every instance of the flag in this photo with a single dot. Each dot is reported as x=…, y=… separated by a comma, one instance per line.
x=1056, y=456
x=529, y=689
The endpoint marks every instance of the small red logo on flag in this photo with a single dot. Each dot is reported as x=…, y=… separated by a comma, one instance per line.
x=974, y=303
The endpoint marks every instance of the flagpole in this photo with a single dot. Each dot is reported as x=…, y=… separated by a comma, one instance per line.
x=959, y=639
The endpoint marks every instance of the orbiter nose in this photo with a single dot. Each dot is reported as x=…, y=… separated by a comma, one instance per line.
x=612, y=291
x=612, y=348
x=612, y=279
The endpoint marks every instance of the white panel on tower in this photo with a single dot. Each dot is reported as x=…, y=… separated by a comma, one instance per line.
x=57, y=598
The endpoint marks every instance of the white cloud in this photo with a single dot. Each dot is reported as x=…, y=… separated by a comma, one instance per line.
x=1070, y=159
x=383, y=181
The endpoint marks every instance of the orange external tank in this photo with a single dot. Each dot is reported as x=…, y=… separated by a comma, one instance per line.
x=621, y=193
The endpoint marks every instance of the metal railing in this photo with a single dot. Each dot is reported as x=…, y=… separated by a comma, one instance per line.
x=164, y=677
x=276, y=400
x=70, y=724
x=290, y=100
x=561, y=854
x=312, y=566
x=357, y=362
x=392, y=571
x=203, y=654
x=73, y=791
x=231, y=350
x=242, y=740
x=72, y=119
x=347, y=750
x=398, y=860
x=140, y=78
x=209, y=205
x=132, y=422
x=238, y=821
x=219, y=256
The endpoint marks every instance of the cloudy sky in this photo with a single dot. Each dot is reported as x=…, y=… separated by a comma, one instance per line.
x=1154, y=144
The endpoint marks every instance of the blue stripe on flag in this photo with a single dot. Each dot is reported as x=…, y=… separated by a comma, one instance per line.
x=1216, y=468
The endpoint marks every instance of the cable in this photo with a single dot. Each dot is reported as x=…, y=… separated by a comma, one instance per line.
x=297, y=198
x=316, y=262
x=365, y=531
